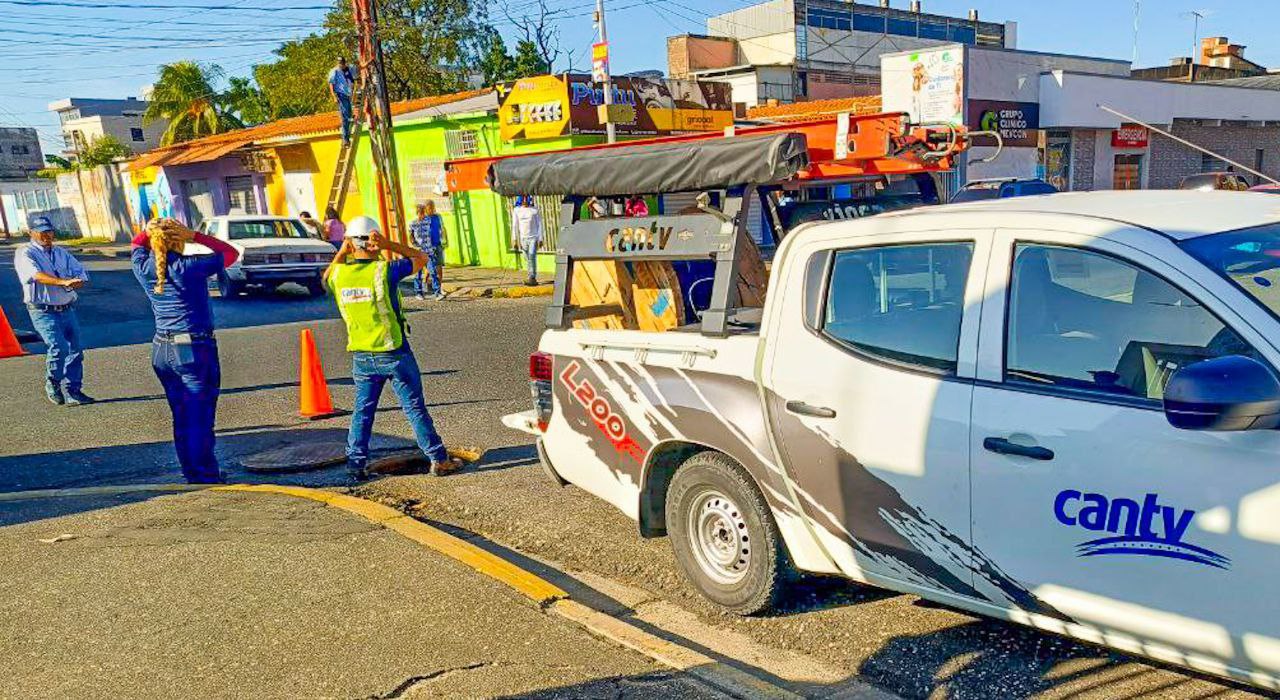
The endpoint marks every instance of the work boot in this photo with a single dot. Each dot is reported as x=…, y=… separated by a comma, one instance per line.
x=358, y=469
x=54, y=392
x=439, y=296
x=75, y=397
x=446, y=467
x=531, y=282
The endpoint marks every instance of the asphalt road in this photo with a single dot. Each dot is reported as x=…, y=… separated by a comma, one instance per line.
x=475, y=355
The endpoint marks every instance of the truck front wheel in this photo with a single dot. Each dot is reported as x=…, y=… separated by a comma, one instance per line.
x=724, y=536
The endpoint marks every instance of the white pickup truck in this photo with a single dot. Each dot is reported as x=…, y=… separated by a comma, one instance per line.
x=1058, y=410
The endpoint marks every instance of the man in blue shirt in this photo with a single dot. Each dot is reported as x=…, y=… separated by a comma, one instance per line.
x=341, y=83
x=428, y=234
x=184, y=353
x=50, y=277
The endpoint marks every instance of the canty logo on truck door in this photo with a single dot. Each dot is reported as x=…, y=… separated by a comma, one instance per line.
x=601, y=411
x=1146, y=528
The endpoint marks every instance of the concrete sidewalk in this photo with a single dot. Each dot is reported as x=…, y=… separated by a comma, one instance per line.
x=217, y=594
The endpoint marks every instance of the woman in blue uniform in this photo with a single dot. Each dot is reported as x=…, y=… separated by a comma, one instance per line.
x=184, y=353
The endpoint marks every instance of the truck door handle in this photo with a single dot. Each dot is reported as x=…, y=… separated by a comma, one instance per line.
x=804, y=409
x=1004, y=447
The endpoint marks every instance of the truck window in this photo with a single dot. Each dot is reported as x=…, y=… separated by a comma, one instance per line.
x=1081, y=320
x=902, y=303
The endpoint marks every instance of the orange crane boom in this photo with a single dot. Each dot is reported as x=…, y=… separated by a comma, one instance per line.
x=840, y=146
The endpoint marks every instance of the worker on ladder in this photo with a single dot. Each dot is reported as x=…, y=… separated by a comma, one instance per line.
x=341, y=85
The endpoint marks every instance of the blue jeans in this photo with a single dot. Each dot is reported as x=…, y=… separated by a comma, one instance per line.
x=371, y=370
x=530, y=250
x=191, y=377
x=64, y=356
x=344, y=111
x=435, y=261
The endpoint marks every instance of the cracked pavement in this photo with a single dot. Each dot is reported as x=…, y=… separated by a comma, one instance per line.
x=214, y=594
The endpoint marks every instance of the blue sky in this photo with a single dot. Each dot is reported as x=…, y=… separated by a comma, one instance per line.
x=52, y=51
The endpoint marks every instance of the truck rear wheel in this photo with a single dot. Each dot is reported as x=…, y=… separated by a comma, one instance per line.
x=724, y=536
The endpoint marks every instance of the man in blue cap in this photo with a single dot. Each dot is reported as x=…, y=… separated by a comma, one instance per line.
x=50, y=277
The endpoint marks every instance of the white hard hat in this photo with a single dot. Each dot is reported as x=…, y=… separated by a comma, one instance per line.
x=362, y=227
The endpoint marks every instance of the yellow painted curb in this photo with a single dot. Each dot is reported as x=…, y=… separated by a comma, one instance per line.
x=727, y=678
x=527, y=584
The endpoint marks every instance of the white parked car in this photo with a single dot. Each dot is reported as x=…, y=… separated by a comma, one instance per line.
x=1061, y=411
x=273, y=250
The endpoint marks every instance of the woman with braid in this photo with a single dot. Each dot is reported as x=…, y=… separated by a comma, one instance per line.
x=183, y=352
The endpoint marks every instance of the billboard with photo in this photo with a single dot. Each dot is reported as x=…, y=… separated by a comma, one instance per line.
x=928, y=85
x=566, y=105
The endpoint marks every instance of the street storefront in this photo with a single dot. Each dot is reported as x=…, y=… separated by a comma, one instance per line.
x=1046, y=108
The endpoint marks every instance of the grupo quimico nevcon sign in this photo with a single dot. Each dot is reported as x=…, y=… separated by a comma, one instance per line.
x=1018, y=123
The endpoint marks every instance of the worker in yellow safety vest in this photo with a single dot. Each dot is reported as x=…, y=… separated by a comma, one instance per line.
x=366, y=286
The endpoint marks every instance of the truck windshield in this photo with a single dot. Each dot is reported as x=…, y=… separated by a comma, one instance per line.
x=1250, y=258
x=269, y=228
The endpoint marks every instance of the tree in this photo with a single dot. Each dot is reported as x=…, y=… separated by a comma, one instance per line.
x=539, y=35
x=184, y=95
x=102, y=150
x=243, y=99
x=528, y=61
x=429, y=48
x=297, y=84
x=495, y=62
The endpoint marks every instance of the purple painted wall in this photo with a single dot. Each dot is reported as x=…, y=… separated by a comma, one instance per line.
x=216, y=173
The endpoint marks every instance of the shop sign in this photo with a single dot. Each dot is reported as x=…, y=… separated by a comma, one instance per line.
x=599, y=62
x=1018, y=123
x=1130, y=136
x=566, y=105
x=937, y=86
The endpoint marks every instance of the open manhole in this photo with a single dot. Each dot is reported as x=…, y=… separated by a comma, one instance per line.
x=296, y=458
x=414, y=462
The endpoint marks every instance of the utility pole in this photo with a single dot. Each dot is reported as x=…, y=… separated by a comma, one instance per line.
x=1197, y=15
x=1137, y=14
x=377, y=110
x=610, y=129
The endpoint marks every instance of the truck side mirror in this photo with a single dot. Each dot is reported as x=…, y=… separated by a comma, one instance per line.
x=1224, y=394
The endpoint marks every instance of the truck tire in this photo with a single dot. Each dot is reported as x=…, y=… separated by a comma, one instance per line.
x=724, y=535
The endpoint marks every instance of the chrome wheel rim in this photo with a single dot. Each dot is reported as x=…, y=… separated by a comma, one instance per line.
x=719, y=537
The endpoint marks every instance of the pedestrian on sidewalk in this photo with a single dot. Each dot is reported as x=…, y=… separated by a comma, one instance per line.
x=314, y=227
x=636, y=206
x=341, y=85
x=366, y=286
x=50, y=277
x=527, y=234
x=334, y=230
x=429, y=235
x=184, y=353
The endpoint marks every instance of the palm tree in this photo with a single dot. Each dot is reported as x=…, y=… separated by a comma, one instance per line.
x=184, y=95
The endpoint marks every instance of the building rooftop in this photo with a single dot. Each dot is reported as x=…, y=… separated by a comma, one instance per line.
x=219, y=145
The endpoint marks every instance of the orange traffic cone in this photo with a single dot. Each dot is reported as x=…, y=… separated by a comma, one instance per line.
x=315, y=401
x=9, y=345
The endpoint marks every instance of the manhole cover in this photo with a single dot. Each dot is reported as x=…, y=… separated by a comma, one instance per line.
x=296, y=458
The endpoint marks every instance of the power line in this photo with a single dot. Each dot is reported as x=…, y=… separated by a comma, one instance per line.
x=147, y=6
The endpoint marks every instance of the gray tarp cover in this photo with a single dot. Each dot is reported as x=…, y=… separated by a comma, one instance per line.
x=676, y=167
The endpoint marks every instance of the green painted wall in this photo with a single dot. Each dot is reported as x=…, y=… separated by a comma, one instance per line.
x=479, y=229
